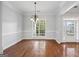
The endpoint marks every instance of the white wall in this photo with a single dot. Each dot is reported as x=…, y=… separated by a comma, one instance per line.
x=11, y=25
x=50, y=27
x=1, y=28
x=59, y=28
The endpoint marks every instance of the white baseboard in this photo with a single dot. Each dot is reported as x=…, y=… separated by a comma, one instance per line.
x=11, y=44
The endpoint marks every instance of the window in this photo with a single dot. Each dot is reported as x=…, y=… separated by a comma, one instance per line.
x=70, y=27
x=40, y=28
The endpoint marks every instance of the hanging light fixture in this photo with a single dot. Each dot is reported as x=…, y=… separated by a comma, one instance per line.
x=35, y=17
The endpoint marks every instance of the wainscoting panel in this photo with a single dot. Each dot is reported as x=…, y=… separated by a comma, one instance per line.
x=11, y=39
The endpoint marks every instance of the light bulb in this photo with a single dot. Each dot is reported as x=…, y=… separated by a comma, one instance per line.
x=31, y=19
x=37, y=19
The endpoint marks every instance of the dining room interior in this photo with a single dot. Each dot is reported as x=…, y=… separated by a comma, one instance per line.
x=39, y=28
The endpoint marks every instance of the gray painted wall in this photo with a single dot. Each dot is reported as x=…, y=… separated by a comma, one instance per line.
x=11, y=25
x=1, y=28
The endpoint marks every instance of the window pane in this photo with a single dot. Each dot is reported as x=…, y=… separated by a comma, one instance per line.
x=40, y=28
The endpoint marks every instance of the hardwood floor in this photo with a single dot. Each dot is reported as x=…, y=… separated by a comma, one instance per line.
x=42, y=48
x=70, y=49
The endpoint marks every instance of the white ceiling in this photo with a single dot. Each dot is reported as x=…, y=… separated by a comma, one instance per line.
x=73, y=12
x=43, y=6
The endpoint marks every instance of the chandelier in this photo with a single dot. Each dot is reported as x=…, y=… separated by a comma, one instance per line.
x=35, y=16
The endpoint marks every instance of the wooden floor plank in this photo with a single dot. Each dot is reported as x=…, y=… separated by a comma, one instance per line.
x=42, y=48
